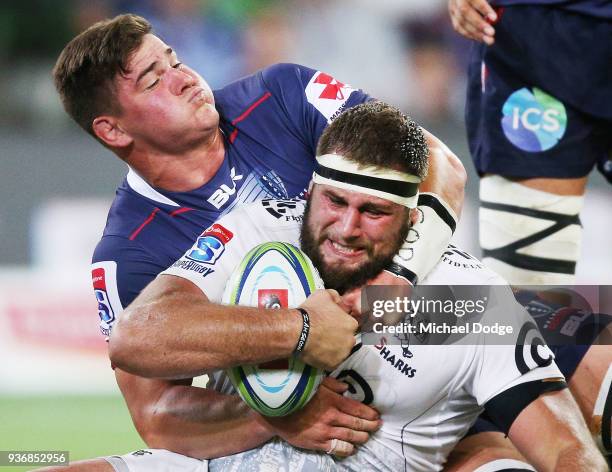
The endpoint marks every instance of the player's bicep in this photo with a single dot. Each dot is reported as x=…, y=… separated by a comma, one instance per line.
x=166, y=286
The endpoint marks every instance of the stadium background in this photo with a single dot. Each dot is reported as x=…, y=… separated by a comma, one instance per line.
x=57, y=390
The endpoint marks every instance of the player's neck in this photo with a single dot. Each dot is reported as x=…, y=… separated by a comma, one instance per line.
x=182, y=172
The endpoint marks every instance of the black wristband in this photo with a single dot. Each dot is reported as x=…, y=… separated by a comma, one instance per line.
x=402, y=272
x=305, y=330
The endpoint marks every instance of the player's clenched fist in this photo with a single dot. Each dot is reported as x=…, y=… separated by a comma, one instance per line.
x=331, y=331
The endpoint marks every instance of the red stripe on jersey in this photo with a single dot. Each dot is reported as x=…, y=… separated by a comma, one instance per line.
x=252, y=107
x=179, y=211
x=144, y=223
x=247, y=112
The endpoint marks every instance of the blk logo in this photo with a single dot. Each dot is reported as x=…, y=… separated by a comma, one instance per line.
x=221, y=196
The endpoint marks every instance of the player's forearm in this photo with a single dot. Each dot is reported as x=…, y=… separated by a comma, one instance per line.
x=180, y=334
x=203, y=423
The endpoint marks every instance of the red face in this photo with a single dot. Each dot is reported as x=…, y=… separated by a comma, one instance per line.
x=165, y=104
x=349, y=235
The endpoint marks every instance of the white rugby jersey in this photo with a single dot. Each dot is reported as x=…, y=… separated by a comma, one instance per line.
x=428, y=396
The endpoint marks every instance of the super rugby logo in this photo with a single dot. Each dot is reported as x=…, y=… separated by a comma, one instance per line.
x=210, y=245
x=533, y=121
x=105, y=310
x=327, y=94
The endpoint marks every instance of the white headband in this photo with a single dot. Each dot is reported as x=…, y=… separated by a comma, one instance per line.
x=392, y=185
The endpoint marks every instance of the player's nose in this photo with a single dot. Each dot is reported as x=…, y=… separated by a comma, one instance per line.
x=350, y=224
x=180, y=81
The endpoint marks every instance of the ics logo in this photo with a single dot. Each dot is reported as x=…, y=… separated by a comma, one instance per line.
x=210, y=245
x=533, y=121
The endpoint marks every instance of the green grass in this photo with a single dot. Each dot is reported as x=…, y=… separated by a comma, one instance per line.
x=87, y=426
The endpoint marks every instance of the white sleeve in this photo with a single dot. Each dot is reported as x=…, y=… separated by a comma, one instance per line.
x=503, y=363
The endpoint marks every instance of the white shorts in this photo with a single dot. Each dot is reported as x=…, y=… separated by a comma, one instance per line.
x=156, y=460
x=274, y=456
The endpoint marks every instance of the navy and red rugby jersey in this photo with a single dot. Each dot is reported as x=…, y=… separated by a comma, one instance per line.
x=271, y=121
x=596, y=8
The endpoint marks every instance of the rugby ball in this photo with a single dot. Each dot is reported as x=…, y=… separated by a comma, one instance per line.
x=274, y=275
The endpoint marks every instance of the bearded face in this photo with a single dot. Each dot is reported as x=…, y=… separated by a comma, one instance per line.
x=351, y=237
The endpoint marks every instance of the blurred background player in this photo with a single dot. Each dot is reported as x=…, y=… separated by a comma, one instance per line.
x=538, y=121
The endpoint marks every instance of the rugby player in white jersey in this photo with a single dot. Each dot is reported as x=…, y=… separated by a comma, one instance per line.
x=356, y=220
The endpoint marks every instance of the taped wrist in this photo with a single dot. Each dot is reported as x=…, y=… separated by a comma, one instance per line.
x=426, y=240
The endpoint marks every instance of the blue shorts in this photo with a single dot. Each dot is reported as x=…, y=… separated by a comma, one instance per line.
x=539, y=101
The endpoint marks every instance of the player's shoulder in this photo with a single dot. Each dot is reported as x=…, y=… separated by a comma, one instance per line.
x=277, y=78
x=459, y=267
x=267, y=215
x=283, y=73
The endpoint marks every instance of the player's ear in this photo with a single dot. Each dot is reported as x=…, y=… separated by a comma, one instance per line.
x=414, y=216
x=108, y=130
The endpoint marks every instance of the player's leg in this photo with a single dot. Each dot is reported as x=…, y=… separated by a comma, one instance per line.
x=530, y=229
x=534, y=139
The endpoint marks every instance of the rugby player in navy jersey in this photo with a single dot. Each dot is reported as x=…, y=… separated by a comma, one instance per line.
x=538, y=117
x=193, y=155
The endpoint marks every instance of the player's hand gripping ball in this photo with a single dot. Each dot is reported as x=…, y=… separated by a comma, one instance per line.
x=274, y=275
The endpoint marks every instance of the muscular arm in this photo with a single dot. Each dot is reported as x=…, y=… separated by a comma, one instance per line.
x=171, y=330
x=192, y=421
x=447, y=176
x=205, y=424
x=550, y=432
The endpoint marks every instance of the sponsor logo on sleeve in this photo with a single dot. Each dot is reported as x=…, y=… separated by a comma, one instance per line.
x=282, y=209
x=104, y=280
x=210, y=245
x=328, y=95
